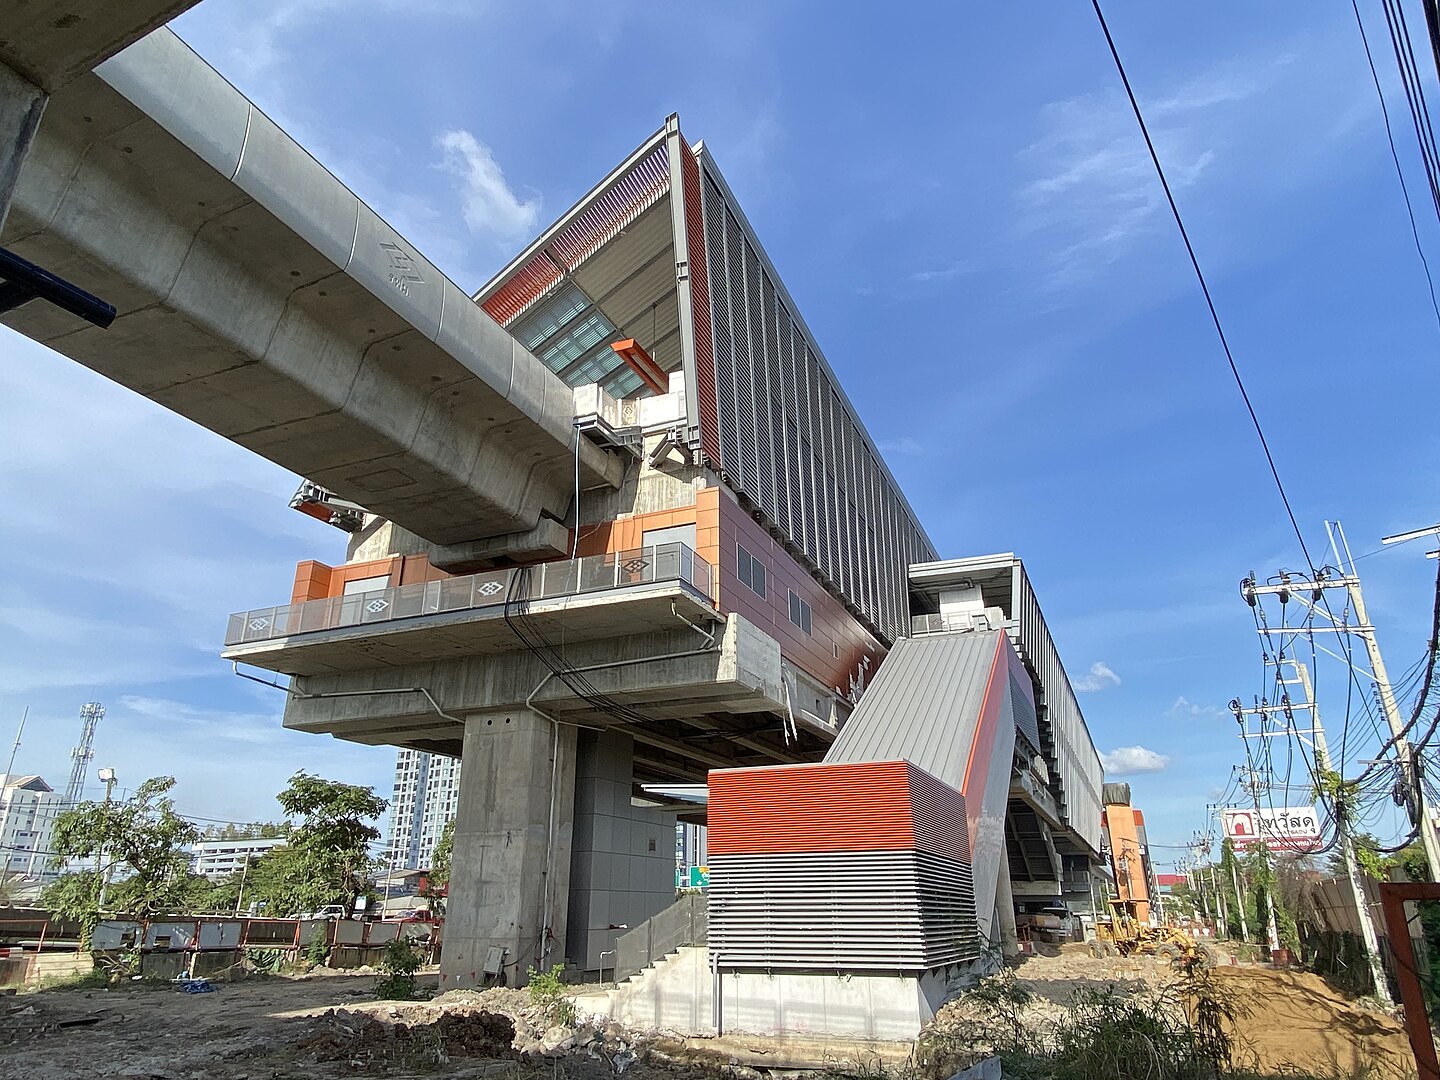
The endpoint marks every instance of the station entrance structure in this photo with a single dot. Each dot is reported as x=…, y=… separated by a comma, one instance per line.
x=622, y=526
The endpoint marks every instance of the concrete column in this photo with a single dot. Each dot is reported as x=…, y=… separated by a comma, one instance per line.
x=1005, y=912
x=21, y=105
x=512, y=847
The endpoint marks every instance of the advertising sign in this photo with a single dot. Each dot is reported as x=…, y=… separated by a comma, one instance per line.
x=1287, y=828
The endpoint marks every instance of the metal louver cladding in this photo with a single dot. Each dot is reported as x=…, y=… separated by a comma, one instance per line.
x=846, y=911
x=850, y=867
x=788, y=439
x=705, y=362
x=606, y=214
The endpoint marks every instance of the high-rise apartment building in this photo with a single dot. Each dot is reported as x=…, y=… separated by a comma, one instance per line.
x=424, y=797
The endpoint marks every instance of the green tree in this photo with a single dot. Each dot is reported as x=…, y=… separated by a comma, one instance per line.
x=143, y=841
x=438, y=879
x=326, y=857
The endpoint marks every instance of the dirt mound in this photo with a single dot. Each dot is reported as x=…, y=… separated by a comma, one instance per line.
x=1295, y=1019
x=366, y=1044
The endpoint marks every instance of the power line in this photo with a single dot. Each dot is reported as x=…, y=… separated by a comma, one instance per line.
x=1414, y=94
x=1395, y=157
x=1204, y=286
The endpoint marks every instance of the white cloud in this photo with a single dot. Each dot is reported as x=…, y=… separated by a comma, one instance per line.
x=1100, y=677
x=1132, y=760
x=1185, y=709
x=943, y=273
x=1093, y=196
x=488, y=204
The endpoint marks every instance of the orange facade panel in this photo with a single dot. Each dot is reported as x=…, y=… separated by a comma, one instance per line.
x=835, y=649
x=864, y=806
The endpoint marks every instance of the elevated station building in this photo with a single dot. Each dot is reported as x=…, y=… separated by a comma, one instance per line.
x=614, y=522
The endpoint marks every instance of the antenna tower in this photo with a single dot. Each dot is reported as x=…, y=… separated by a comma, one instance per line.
x=91, y=713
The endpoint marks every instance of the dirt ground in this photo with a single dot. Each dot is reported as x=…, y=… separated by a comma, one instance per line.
x=330, y=1025
x=1287, y=1020
x=316, y=1027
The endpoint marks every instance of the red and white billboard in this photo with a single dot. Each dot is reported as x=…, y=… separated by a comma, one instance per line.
x=1285, y=828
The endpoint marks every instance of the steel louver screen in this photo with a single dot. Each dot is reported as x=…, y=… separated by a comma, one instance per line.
x=787, y=441
x=848, y=866
x=631, y=194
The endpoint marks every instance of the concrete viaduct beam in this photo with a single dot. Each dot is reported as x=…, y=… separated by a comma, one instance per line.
x=43, y=45
x=260, y=297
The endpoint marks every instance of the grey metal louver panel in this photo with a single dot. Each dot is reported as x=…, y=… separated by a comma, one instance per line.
x=715, y=241
x=743, y=468
x=867, y=910
x=1063, y=734
x=764, y=480
x=790, y=441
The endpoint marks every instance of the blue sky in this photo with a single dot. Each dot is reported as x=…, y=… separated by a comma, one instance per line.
x=960, y=204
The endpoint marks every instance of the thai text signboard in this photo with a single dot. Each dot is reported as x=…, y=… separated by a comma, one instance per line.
x=1280, y=828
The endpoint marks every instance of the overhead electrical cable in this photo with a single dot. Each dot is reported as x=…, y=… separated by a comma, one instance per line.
x=1204, y=286
x=1395, y=157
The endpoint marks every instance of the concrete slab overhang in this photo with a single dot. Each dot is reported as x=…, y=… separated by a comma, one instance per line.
x=51, y=43
x=633, y=609
x=261, y=298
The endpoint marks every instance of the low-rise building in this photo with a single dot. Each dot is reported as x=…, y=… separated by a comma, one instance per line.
x=221, y=858
x=28, y=809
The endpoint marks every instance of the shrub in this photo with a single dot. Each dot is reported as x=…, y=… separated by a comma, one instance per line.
x=399, y=964
x=317, y=949
x=548, y=992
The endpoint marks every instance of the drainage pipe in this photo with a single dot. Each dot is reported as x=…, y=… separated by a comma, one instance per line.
x=295, y=692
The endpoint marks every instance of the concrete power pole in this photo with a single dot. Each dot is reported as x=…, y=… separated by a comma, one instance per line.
x=1309, y=593
x=1272, y=931
x=1224, y=924
x=1342, y=826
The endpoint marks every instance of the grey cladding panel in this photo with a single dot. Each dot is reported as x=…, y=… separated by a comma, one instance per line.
x=924, y=705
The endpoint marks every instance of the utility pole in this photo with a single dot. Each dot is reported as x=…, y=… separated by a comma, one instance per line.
x=1309, y=593
x=243, y=875
x=1224, y=925
x=1254, y=784
x=1239, y=898
x=4, y=787
x=1342, y=821
x=107, y=777
x=1235, y=880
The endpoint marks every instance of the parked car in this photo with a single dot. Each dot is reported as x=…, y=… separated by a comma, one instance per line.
x=410, y=914
x=329, y=911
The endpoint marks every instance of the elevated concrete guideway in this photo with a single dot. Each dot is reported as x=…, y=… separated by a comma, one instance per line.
x=258, y=296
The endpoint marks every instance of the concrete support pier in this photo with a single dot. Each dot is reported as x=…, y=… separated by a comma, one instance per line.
x=510, y=871
x=21, y=105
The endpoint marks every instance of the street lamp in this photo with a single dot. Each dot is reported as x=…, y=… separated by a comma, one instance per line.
x=107, y=777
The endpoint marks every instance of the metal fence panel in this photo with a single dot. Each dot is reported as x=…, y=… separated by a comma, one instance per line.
x=220, y=935
x=684, y=922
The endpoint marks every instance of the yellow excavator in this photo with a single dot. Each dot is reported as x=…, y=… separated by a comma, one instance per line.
x=1127, y=931
x=1125, y=935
